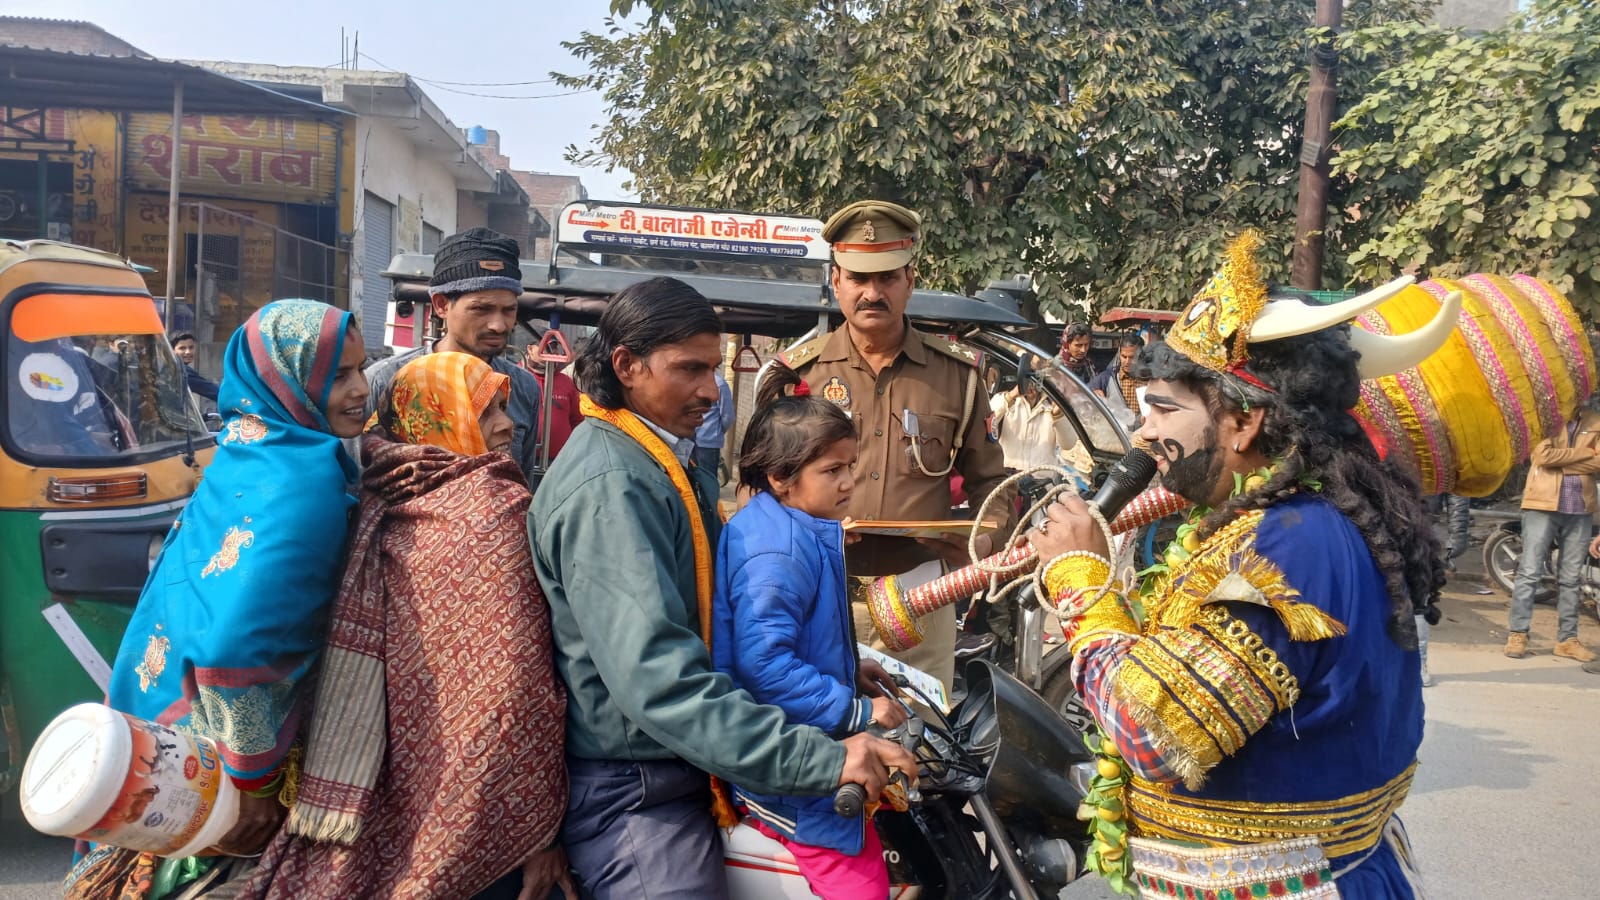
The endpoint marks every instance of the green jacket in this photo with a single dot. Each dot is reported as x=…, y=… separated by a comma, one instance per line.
x=612, y=548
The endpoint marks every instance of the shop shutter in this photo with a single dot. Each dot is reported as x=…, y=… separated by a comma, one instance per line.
x=377, y=229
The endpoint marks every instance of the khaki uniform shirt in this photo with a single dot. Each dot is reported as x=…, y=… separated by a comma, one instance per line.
x=937, y=382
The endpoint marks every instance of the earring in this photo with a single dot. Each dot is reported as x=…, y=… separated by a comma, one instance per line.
x=1236, y=446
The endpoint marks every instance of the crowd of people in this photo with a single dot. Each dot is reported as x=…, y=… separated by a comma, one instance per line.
x=428, y=680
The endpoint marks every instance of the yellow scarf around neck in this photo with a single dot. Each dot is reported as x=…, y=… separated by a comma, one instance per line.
x=633, y=426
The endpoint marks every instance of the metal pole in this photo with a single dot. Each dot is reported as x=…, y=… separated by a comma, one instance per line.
x=42, y=195
x=1312, y=210
x=172, y=203
x=199, y=271
x=1004, y=850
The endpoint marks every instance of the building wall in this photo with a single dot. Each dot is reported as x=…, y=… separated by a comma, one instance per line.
x=547, y=194
x=387, y=164
x=423, y=193
x=93, y=214
x=511, y=221
x=1475, y=15
x=471, y=212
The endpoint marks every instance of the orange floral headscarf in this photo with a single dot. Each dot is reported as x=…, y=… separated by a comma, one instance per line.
x=438, y=398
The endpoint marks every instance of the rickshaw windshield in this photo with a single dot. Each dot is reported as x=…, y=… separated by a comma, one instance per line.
x=1101, y=431
x=92, y=382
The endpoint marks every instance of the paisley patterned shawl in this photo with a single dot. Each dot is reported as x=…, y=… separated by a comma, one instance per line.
x=437, y=399
x=233, y=615
x=438, y=672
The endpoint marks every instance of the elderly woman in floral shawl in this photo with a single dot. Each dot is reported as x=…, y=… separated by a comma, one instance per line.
x=435, y=763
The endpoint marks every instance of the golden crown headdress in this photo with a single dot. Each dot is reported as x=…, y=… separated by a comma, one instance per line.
x=1214, y=330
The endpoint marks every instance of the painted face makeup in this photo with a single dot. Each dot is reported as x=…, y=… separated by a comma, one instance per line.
x=1183, y=438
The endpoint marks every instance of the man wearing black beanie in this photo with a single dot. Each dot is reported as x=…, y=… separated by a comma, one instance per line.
x=475, y=285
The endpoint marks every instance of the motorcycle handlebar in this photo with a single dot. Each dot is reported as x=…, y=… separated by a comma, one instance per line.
x=849, y=800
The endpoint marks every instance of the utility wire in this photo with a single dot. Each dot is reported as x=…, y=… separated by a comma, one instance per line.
x=487, y=83
x=441, y=85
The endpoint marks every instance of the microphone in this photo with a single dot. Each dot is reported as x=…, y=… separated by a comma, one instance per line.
x=1128, y=478
x=1123, y=499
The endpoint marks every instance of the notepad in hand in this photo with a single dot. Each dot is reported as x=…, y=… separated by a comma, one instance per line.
x=919, y=529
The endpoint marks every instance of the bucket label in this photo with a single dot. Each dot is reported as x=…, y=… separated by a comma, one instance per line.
x=170, y=790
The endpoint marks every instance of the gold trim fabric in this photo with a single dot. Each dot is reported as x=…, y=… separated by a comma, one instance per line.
x=1201, y=691
x=1343, y=826
x=1106, y=616
x=1228, y=569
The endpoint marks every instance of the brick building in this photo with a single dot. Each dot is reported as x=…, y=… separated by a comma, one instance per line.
x=546, y=194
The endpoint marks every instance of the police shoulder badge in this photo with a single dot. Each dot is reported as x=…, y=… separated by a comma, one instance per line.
x=835, y=391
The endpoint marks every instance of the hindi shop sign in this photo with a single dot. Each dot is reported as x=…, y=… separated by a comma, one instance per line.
x=271, y=158
x=692, y=232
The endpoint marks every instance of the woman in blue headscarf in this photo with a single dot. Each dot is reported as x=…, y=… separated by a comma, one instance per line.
x=233, y=616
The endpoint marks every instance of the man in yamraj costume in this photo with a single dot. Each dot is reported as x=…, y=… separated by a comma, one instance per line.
x=1260, y=698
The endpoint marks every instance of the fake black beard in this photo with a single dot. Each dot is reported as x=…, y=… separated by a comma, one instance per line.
x=1192, y=475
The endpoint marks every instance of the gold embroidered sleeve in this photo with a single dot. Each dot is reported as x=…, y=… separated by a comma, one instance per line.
x=1075, y=571
x=1203, y=689
x=1108, y=615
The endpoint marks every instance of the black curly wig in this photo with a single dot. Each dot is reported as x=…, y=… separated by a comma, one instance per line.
x=1309, y=427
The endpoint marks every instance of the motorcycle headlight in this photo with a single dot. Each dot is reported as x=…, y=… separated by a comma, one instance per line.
x=1081, y=774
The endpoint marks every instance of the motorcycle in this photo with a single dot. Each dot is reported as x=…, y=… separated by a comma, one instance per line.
x=1502, y=553
x=994, y=813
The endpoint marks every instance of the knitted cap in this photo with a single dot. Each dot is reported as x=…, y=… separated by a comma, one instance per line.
x=478, y=259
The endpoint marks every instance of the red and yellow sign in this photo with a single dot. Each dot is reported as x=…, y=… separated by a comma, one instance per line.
x=273, y=158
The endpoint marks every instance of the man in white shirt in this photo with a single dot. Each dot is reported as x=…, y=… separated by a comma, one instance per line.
x=1032, y=430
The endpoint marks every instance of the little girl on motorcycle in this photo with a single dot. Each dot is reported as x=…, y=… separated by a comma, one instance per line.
x=781, y=619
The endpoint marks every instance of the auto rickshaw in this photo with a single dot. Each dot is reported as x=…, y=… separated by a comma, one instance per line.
x=767, y=275
x=101, y=445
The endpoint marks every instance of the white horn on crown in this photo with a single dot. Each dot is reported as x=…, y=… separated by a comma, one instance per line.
x=1387, y=354
x=1287, y=318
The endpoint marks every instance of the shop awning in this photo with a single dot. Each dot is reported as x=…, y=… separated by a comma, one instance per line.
x=36, y=79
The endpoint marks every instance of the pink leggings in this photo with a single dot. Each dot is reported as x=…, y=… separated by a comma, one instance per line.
x=833, y=875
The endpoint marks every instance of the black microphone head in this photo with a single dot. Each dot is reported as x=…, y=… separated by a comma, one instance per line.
x=1136, y=469
x=1125, y=481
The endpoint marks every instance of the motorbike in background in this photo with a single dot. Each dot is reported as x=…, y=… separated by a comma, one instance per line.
x=1502, y=553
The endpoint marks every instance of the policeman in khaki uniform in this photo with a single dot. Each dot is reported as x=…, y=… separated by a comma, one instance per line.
x=919, y=405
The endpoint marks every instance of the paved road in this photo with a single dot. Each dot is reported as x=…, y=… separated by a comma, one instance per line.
x=1503, y=805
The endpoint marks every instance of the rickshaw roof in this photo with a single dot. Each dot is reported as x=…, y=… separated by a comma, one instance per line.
x=749, y=304
x=14, y=253
x=766, y=273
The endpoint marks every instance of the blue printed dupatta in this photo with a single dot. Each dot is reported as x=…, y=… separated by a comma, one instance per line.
x=235, y=610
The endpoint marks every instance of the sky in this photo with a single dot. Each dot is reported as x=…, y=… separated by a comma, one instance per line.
x=473, y=42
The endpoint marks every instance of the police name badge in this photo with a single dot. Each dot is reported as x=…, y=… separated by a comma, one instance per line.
x=835, y=391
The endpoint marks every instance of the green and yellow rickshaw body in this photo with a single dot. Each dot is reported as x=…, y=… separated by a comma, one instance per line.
x=101, y=446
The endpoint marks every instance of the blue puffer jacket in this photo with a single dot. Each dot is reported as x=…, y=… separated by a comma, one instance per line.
x=781, y=630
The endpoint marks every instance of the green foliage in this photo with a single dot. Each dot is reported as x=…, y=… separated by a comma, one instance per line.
x=1482, y=153
x=1110, y=148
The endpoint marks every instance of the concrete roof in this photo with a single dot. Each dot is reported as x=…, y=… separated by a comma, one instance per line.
x=64, y=35
x=390, y=95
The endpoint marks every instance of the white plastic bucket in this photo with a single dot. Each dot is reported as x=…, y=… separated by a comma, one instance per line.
x=109, y=778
